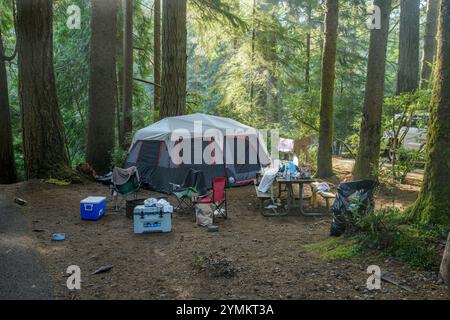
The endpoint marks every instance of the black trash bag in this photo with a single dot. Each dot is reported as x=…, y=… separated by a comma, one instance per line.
x=362, y=190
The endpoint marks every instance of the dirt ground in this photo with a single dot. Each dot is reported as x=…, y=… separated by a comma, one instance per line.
x=251, y=257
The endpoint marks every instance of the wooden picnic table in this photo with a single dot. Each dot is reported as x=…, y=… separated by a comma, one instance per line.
x=292, y=201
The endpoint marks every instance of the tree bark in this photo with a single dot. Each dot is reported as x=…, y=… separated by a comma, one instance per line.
x=429, y=43
x=367, y=160
x=102, y=85
x=308, y=48
x=444, y=270
x=324, y=157
x=127, y=103
x=433, y=204
x=408, y=58
x=44, y=149
x=157, y=58
x=174, y=42
x=8, y=171
x=253, y=52
x=119, y=70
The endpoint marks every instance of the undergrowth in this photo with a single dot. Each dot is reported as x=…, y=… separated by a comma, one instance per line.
x=391, y=233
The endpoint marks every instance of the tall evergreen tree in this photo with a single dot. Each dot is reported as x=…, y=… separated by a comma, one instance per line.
x=102, y=85
x=370, y=133
x=157, y=58
x=429, y=43
x=8, y=171
x=44, y=149
x=408, y=57
x=433, y=204
x=174, y=59
x=324, y=157
x=127, y=102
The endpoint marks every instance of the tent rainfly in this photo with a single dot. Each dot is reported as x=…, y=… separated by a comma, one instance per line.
x=166, y=150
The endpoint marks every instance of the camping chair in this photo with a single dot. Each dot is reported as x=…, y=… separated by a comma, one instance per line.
x=217, y=196
x=193, y=184
x=124, y=182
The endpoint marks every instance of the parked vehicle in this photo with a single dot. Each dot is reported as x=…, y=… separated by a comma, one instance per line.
x=411, y=136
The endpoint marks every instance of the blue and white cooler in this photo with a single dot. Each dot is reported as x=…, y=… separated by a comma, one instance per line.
x=92, y=208
x=152, y=219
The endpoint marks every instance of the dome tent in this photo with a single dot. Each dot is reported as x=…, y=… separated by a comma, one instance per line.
x=165, y=151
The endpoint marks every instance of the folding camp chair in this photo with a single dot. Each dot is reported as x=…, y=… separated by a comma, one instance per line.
x=217, y=196
x=193, y=184
x=124, y=182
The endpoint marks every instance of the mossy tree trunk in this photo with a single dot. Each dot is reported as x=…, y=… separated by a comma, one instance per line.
x=44, y=149
x=8, y=172
x=324, y=156
x=433, y=203
x=370, y=132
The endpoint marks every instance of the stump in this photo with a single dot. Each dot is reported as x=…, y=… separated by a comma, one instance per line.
x=444, y=271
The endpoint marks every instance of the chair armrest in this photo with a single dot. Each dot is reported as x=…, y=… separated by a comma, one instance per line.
x=199, y=197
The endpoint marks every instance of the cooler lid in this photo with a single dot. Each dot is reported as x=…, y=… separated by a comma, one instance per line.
x=93, y=200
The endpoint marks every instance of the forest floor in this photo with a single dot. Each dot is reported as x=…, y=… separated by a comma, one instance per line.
x=251, y=257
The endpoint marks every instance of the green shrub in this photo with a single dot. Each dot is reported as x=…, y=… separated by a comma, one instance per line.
x=389, y=231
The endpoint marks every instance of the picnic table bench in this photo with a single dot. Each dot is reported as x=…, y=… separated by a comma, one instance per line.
x=267, y=197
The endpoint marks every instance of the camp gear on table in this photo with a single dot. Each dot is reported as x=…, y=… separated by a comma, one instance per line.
x=193, y=184
x=267, y=180
x=152, y=219
x=92, y=208
x=356, y=196
x=158, y=152
x=217, y=196
x=125, y=182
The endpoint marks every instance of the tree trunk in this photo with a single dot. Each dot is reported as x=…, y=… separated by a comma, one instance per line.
x=102, y=85
x=8, y=172
x=252, y=82
x=44, y=149
x=429, y=43
x=157, y=58
x=119, y=67
x=127, y=125
x=324, y=157
x=444, y=271
x=408, y=58
x=367, y=160
x=433, y=203
x=174, y=42
x=308, y=48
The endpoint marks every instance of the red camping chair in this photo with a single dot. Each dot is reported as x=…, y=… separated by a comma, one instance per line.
x=217, y=196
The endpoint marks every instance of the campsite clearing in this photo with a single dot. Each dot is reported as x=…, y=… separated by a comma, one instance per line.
x=250, y=257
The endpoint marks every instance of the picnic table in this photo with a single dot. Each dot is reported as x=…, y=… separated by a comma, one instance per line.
x=292, y=201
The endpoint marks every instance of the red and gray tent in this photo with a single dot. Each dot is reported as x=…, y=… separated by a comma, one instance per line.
x=165, y=151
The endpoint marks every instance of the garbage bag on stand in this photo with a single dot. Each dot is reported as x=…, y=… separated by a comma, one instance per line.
x=349, y=193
